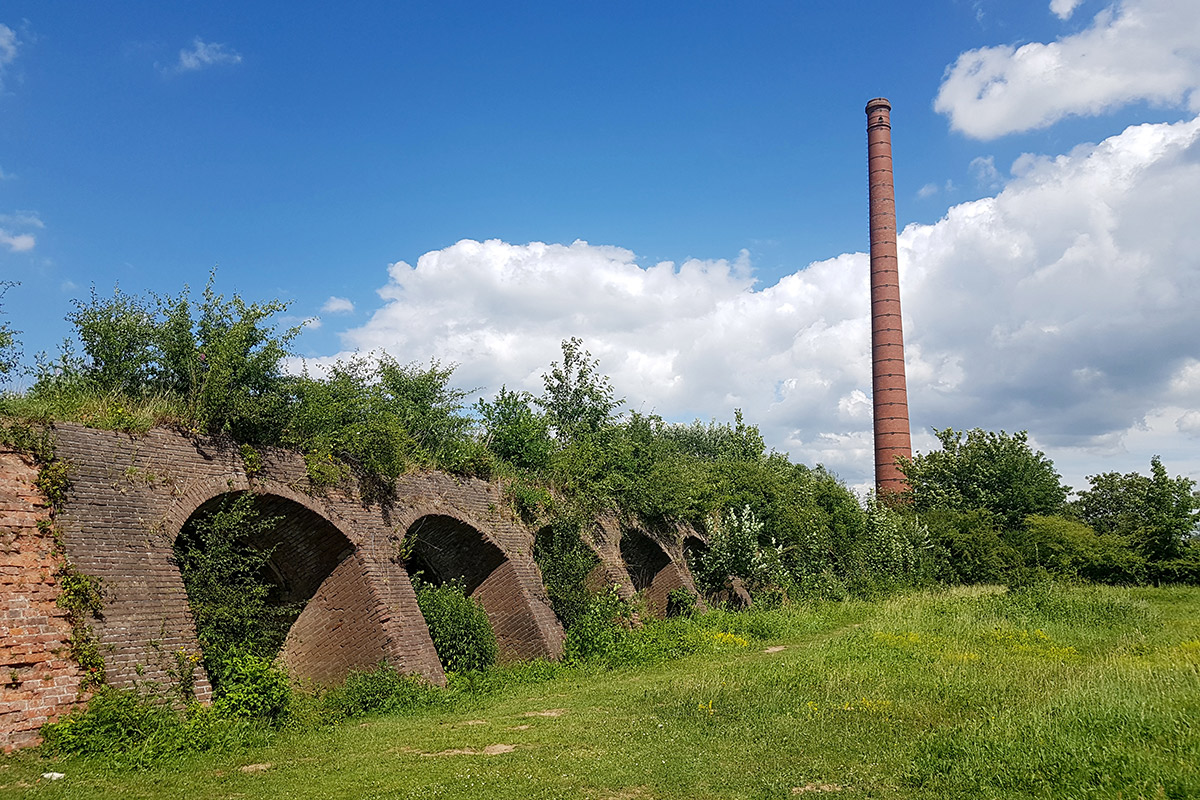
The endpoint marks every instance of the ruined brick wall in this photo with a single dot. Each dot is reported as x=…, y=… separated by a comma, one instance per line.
x=651, y=563
x=131, y=495
x=38, y=682
x=338, y=628
x=129, y=498
x=512, y=594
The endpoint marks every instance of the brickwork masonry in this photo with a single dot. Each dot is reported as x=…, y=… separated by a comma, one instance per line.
x=38, y=680
x=129, y=497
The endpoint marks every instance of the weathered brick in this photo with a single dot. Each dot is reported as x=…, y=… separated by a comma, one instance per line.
x=130, y=496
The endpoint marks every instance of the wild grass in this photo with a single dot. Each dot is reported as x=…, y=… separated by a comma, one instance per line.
x=1047, y=692
x=113, y=411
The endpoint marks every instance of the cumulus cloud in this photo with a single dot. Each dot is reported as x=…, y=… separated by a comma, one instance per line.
x=337, y=305
x=205, y=54
x=1063, y=9
x=14, y=231
x=1064, y=305
x=1139, y=50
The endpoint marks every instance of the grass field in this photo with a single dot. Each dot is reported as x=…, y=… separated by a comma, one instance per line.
x=1063, y=693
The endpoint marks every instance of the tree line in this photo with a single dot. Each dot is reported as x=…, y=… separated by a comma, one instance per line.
x=983, y=507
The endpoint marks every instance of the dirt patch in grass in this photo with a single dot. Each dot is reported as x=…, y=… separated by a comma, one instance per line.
x=255, y=767
x=490, y=750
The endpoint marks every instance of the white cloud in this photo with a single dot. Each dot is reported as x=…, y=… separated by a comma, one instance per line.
x=337, y=305
x=1064, y=305
x=983, y=170
x=8, y=50
x=14, y=231
x=1189, y=422
x=932, y=189
x=1140, y=50
x=17, y=242
x=205, y=54
x=1064, y=8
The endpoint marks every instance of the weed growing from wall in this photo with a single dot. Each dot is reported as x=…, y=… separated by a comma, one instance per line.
x=80, y=595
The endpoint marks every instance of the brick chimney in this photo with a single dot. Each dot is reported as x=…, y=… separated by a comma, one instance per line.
x=889, y=390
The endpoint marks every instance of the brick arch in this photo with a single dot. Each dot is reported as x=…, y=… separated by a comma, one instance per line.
x=656, y=564
x=447, y=548
x=203, y=491
x=317, y=568
x=644, y=558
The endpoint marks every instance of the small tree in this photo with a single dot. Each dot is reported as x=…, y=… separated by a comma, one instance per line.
x=996, y=472
x=579, y=400
x=514, y=431
x=9, y=351
x=1156, y=515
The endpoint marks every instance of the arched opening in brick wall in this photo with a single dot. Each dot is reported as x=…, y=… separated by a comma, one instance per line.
x=571, y=570
x=650, y=568
x=319, y=587
x=643, y=558
x=693, y=548
x=444, y=549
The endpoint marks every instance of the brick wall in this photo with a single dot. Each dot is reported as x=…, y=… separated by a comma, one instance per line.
x=651, y=562
x=131, y=496
x=38, y=682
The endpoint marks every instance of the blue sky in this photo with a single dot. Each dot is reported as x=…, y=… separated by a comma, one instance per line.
x=304, y=154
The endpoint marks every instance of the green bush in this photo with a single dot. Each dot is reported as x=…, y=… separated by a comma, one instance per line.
x=597, y=633
x=565, y=561
x=235, y=607
x=970, y=547
x=1071, y=549
x=681, y=602
x=514, y=431
x=458, y=625
x=129, y=731
x=381, y=690
x=1184, y=569
x=253, y=687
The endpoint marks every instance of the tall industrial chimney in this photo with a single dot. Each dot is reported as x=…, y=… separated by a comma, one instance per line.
x=887, y=337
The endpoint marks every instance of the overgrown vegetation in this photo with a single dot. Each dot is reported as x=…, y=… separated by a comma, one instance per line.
x=983, y=509
x=996, y=511
x=1050, y=691
x=238, y=611
x=458, y=625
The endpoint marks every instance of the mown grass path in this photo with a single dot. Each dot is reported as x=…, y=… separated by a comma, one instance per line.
x=1087, y=692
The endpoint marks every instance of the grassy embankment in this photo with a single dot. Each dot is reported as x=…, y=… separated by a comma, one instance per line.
x=1088, y=692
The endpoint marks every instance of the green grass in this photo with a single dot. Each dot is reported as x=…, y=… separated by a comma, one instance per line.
x=104, y=410
x=1086, y=692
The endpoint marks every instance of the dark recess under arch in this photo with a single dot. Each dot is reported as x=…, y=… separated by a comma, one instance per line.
x=315, y=568
x=447, y=549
